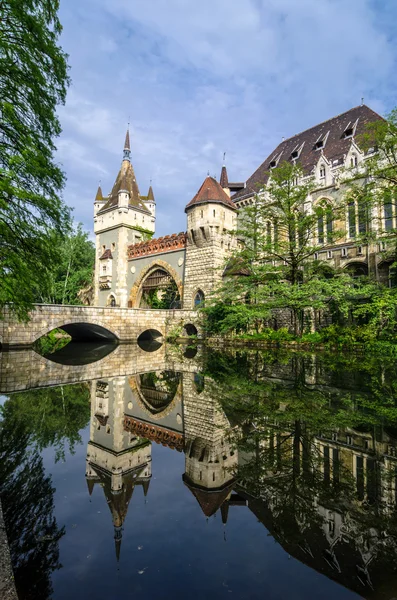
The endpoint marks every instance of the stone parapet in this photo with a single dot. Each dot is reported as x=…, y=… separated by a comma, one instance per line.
x=168, y=243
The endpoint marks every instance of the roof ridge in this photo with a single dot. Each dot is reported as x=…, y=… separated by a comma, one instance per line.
x=324, y=122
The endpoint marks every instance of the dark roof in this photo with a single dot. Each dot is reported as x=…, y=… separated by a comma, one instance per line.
x=224, y=181
x=210, y=500
x=106, y=254
x=334, y=149
x=125, y=181
x=99, y=195
x=211, y=192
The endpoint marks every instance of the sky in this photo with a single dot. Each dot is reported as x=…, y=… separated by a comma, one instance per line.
x=197, y=79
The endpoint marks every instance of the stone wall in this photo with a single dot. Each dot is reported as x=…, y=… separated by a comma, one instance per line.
x=126, y=324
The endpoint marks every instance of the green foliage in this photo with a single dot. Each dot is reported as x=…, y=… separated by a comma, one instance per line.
x=167, y=297
x=49, y=417
x=73, y=270
x=33, y=81
x=53, y=341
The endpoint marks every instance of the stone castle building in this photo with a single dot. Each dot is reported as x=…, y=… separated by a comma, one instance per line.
x=131, y=267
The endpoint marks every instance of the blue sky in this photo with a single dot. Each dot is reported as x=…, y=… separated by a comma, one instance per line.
x=200, y=78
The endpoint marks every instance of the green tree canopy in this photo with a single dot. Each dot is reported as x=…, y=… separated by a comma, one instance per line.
x=33, y=81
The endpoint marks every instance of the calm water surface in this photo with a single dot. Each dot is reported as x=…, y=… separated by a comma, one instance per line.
x=183, y=472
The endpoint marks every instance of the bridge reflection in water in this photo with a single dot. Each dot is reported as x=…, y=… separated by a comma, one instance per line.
x=305, y=444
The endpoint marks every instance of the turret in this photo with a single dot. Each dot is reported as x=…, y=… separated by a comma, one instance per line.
x=99, y=201
x=150, y=202
x=210, y=213
x=211, y=221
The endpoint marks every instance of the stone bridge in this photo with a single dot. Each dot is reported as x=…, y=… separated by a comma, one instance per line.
x=88, y=323
x=25, y=369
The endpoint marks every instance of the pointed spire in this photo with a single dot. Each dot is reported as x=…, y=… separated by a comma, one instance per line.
x=145, y=485
x=127, y=146
x=117, y=541
x=150, y=194
x=224, y=181
x=90, y=484
x=99, y=195
x=225, y=511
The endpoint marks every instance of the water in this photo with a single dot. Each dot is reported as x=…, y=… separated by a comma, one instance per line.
x=183, y=472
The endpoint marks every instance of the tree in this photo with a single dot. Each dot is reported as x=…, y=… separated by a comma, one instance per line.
x=72, y=272
x=274, y=265
x=33, y=81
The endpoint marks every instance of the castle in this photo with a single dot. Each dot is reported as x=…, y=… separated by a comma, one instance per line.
x=133, y=270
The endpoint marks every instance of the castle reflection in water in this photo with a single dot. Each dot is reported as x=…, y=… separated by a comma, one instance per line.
x=308, y=447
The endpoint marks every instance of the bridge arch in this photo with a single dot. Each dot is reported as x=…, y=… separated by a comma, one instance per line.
x=80, y=330
x=157, y=265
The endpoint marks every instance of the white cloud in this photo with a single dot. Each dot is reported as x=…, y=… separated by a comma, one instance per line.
x=198, y=79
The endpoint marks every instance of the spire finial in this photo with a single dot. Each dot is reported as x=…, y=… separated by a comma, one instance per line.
x=224, y=156
x=362, y=100
x=127, y=146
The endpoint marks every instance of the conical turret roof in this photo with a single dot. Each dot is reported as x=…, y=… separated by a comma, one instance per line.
x=150, y=194
x=211, y=192
x=224, y=180
x=210, y=500
x=99, y=195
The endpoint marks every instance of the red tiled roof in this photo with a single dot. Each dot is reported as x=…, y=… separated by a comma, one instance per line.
x=335, y=146
x=176, y=241
x=210, y=500
x=210, y=192
x=155, y=433
x=106, y=254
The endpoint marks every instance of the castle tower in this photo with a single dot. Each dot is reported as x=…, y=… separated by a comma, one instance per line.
x=211, y=221
x=117, y=461
x=210, y=458
x=121, y=219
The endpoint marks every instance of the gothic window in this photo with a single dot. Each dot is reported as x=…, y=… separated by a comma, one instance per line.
x=322, y=171
x=113, y=301
x=199, y=299
x=268, y=233
x=354, y=160
x=388, y=213
x=202, y=214
x=320, y=229
x=214, y=212
x=351, y=212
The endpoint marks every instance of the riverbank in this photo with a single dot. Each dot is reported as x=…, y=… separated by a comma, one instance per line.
x=377, y=347
x=7, y=584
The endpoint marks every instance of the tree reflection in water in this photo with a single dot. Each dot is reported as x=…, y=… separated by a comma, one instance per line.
x=31, y=421
x=317, y=446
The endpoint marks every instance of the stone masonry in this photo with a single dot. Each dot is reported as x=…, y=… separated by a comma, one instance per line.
x=120, y=324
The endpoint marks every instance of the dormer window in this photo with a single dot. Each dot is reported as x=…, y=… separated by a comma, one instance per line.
x=273, y=164
x=321, y=141
x=294, y=154
x=322, y=171
x=348, y=133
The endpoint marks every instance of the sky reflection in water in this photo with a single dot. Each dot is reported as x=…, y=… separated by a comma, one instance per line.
x=182, y=473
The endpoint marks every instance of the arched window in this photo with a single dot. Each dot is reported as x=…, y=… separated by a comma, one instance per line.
x=354, y=160
x=322, y=171
x=324, y=225
x=199, y=298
